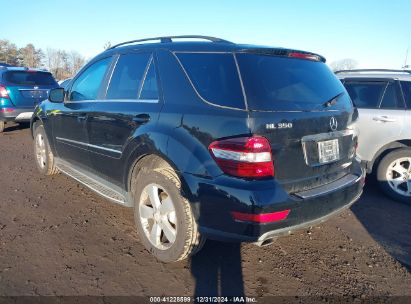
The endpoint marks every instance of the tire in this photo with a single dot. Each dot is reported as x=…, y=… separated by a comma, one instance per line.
x=2, y=126
x=172, y=213
x=43, y=156
x=394, y=175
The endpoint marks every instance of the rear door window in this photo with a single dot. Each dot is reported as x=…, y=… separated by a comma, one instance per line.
x=149, y=89
x=280, y=83
x=29, y=78
x=128, y=76
x=366, y=94
x=214, y=77
x=406, y=88
x=87, y=85
x=390, y=98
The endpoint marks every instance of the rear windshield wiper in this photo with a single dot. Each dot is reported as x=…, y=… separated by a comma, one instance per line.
x=333, y=100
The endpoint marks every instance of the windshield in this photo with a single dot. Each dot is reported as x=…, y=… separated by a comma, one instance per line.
x=281, y=83
x=29, y=78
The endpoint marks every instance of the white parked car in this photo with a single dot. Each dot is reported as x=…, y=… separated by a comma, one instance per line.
x=383, y=100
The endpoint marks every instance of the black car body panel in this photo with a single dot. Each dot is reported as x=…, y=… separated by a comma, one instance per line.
x=106, y=137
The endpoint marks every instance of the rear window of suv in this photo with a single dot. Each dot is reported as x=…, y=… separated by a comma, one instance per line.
x=271, y=83
x=29, y=78
x=280, y=83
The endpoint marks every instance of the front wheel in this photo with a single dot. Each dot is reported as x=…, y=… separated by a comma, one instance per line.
x=394, y=175
x=43, y=155
x=163, y=216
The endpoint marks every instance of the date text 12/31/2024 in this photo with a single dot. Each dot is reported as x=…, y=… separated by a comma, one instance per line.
x=240, y=299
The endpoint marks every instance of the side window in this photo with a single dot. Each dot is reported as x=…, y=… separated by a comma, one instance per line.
x=215, y=77
x=366, y=94
x=127, y=76
x=86, y=87
x=390, y=99
x=149, y=89
x=406, y=88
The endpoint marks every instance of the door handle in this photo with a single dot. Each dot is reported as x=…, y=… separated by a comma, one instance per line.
x=141, y=118
x=384, y=119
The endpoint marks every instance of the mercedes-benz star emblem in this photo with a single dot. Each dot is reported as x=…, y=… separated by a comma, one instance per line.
x=333, y=123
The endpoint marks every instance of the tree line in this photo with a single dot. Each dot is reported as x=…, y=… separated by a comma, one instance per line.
x=61, y=63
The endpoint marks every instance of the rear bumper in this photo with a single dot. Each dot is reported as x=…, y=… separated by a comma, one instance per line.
x=215, y=200
x=17, y=114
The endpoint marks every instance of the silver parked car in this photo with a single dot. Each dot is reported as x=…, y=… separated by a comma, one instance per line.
x=383, y=100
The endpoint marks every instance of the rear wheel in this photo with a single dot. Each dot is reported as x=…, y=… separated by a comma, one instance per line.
x=43, y=155
x=163, y=216
x=2, y=126
x=394, y=175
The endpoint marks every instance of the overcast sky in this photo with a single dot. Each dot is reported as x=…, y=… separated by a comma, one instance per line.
x=374, y=33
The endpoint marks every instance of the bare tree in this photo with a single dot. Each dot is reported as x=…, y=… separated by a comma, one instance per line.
x=62, y=64
x=76, y=62
x=343, y=64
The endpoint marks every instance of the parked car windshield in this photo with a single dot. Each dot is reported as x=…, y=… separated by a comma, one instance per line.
x=274, y=83
x=29, y=78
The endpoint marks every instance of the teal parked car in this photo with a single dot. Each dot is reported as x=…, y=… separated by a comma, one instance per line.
x=21, y=89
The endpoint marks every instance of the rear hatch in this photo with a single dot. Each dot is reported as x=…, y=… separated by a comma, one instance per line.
x=27, y=88
x=304, y=111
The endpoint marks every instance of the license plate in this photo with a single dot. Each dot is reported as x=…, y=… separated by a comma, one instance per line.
x=41, y=94
x=328, y=151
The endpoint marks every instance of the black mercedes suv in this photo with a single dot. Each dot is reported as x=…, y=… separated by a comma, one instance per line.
x=205, y=139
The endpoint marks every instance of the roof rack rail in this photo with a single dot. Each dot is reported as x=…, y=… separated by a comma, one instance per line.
x=373, y=70
x=167, y=39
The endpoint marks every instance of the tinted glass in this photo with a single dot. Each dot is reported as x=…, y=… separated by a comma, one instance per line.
x=215, y=77
x=365, y=94
x=389, y=101
x=280, y=83
x=406, y=88
x=86, y=87
x=149, y=89
x=127, y=76
x=29, y=78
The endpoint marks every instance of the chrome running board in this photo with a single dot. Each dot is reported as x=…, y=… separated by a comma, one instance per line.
x=95, y=183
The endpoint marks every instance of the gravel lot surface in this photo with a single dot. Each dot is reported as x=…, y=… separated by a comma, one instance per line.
x=59, y=238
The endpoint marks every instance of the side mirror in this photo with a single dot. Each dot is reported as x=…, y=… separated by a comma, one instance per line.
x=56, y=95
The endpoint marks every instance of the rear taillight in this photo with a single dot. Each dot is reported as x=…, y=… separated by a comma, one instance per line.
x=3, y=92
x=248, y=157
x=6, y=110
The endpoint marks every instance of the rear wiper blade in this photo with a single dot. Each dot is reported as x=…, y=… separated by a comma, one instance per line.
x=333, y=100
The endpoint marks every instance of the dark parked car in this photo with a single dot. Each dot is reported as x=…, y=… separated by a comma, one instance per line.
x=21, y=89
x=205, y=139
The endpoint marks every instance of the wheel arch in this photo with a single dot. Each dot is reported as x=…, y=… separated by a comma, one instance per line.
x=33, y=121
x=384, y=150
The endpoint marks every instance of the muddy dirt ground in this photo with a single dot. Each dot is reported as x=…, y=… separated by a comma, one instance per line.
x=59, y=238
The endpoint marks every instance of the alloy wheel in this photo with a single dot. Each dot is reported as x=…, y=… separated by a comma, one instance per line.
x=398, y=176
x=158, y=216
x=41, y=151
